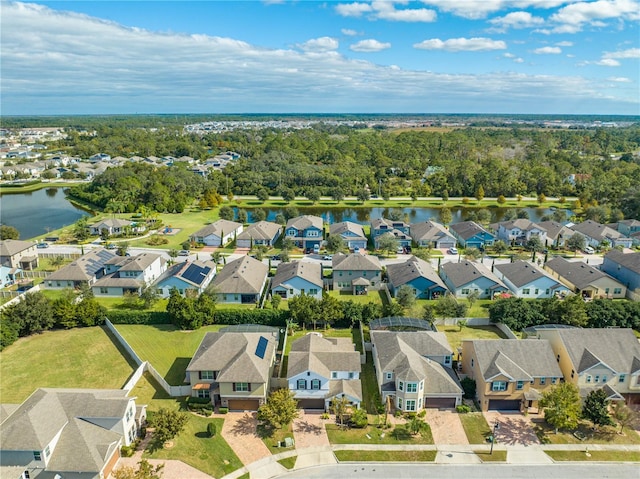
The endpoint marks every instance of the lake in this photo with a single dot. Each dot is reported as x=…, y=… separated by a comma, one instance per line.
x=37, y=212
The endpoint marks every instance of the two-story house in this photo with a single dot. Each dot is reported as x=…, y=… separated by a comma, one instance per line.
x=321, y=369
x=557, y=233
x=598, y=358
x=419, y=275
x=307, y=231
x=356, y=273
x=520, y=231
x=528, y=281
x=630, y=229
x=187, y=277
x=234, y=368
x=61, y=433
x=510, y=374
x=86, y=270
x=429, y=234
x=241, y=281
x=18, y=254
x=218, y=233
x=586, y=280
x=352, y=234
x=625, y=268
x=597, y=234
x=298, y=277
x=469, y=234
x=262, y=233
x=129, y=274
x=399, y=229
x=468, y=277
x=414, y=370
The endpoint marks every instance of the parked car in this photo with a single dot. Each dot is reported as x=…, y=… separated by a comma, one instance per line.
x=42, y=245
x=112, y=246
x=276, y=257
x=183, y=252
x=453, y=250
x=356, y=249
x=589, y=250
x=327, y=257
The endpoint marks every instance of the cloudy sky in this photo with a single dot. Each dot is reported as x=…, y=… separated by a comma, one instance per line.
x=428, y=56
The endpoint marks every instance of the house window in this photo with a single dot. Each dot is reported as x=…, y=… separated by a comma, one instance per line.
x=203, y=393
x=302, y=384
x=588, y=378
x=25, y=475
x=573, y=373
x=617, y=290
x=419, y=402
x=536, y=291
x=241, y=387
x=621, y=378
x=597, y=378
x=400, y=386
x=421, y=385
x=315, y=384
x=313, y=292
x=554, y=380
x=471, y=362
x=499, y=386
x=104, y=290
x=47, y=451
x=351, y=375
x=37, y=456
x=546, y=291
x=519, y=385
x=542, y=381
x=412, y=388
x=388, y=376
x=207, y=375
x=411, y=405
x=447, y=359
x=465, y=290
x=604, y=378
x=313, y=233
x=399, y=403
x=606, y=290
x=334, y=375
x=526, y=291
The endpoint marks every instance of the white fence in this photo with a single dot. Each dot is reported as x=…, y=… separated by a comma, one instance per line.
x=19, y=296
x=477, y=322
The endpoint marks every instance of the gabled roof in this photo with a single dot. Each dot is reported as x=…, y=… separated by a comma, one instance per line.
x=305, y=221
x=522, y=224
x=577, y=272
x=322, y=356
x=112, y=223
x=467, y=271
x=555, y=229
x=311, y=272
x=595, y=230
x=348, y=387
x=195, y=272
x=139, y=262
x=522, y=273
x=9, y=247
x=262, y=230
x=233, y=354
x=244, y=275
x=355, y=262
x=347, y=227
x=429, y=230
x=218, y=228
x=618, y=349
x=413, y=268
x=468, y=229
x=519, y=360
x=84, y=268
x=630, y=261
x=379, y=222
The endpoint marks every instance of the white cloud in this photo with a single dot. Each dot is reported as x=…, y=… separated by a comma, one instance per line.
x=353, y=9
x=475, y=9
x=619, y=79
x=629, y=53
x=513, y=57
x=386, y=10
x=564, y=44
x=322, y=44
x=573, y=17
x=348, y=32
x=461, y=44
x=607, y=62
x=508, y=55
x=369, y=45
x=518, y=60
x=547, y=51
x=517, y=20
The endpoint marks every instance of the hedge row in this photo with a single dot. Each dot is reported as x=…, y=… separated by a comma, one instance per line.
x=126, y=316
x=269, y=317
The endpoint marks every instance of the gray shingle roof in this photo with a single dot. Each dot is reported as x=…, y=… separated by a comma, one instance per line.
x=262, y=230
x=112, y=223
x=554, y=229
x=521, y=273
x=578, y=273
x=467, y=229
x=305, y=221
x=244, y=275
x=233, y=355
x=467, y=271
x=348, y=387
x=218, y=228
x=413, y=268
x=9, y=247
x=322, y=355
x=84, y=268
x=345, y=227
x=139, y=262
x=522, y=224
x=631, y=261
x=390, y=224
x=517, y=359
x=355, y=262
x=429, y=230
x=306, y=270
x=595, y=230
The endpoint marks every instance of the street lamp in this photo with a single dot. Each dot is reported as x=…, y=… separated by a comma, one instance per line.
x=496, y=426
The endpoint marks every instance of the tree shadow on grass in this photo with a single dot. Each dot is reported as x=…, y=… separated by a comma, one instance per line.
x=264, y=431
x=176, y=375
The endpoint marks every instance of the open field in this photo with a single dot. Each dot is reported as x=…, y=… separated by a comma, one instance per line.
x=386, y=456
x=75, y=358
x=120, y=302
x=167, y=348
x=370, y=393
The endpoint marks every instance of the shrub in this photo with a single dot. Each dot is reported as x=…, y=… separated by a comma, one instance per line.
x=223, y=410
x=127, y=451
x=398, y=413
x=422, y=413
x=410, y=415
x=469, y=388
x=269, y=317
x=156, y=240
x=463, y=409
x=359, y=418
x=211, y=429
x=324, y=415
x=124, y=316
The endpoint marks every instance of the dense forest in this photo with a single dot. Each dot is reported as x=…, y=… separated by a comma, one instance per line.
x=597, y=165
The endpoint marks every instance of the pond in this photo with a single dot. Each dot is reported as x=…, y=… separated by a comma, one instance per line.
x=38, y=212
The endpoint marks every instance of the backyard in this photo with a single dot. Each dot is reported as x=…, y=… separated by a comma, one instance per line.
x=455, y=334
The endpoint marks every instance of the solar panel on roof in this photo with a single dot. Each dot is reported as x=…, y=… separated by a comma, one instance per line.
x=261, y=348
x=195, y=273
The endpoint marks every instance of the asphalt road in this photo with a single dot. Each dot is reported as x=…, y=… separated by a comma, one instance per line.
x=463, y=471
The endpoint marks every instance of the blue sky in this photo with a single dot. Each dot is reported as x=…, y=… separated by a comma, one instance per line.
x=428, y=56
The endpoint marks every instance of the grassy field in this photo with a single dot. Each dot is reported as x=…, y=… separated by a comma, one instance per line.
x=82, y=358
x=455, y=335
x=616, y=456
x=167, y=348
x=397, y=435
x=605, y=435
x=497, y=456
x=475, y=427
x=386, y=456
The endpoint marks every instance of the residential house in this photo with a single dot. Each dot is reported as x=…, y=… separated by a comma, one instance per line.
x=306, y=231
x=468, y=277
x=520, y=231
x=469, y=234
x=598, y=358
x=630, y=229
x=189, y=276
x=557, y=233
x=399, y=230
x=129, y=274
x=60, y=433
x=419, y=275
x=352, y=234
x=597, y=234
x=234, y=368
x=356, y=273
x=430, y=234
x=624, y=267
x=510, y=374
x=296, y=278
x=8, y=276
x=528, y=281
x=114, y=227
x=262, y=233
x=85, y=270
x=241, y=281
x=584, y=279
x=321, y=369
x=18, y=254
x=218, y=233
x=414, y=370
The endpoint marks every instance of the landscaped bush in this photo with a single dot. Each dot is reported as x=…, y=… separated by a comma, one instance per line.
x=269, y=317
x=127, y=451
x=211, y=429
x=469, y=388
x=223, y=410
x=463, y=409
x=422, y=413
x=359, y=418
x=124, y=316
x=156, y=240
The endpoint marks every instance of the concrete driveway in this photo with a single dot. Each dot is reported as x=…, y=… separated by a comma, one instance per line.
x=446, y=427
x=309, y=430
x=515, y=428
x=239, y=430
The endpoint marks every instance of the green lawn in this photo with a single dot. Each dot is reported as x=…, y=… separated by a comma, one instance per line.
x=75, y=358
x=480, y=308
x=616, y=456
x=475, y=427
x=370, y=393
x=119, y=302
x=273, y=437
x=386, y=456
x=497, y=456
x=289, y=462
x=394, y=435
x=370, y=297
x=167, y=348
x=604, y=435
x=455, y=335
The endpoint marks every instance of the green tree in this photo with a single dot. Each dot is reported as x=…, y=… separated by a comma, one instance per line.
x=445, y=216
x=362, y=195
x=416, y=425
x=262, y=195
x=304, y=309
x=576, y=242
x=288, y=195
x=625, y=416
x=168, y=424
x=405, y=296
x=534, y=244
x=226, y=213
x=242, y=216
x=144, y=471
x=280, y=219
x=280, y=409
x=500, y=247
x=561, y=406
x=596, y=409
x=149, y=296
x=122, y=248
x=387, y=242
x=89, y=312
x=570, y=310
x=480, y=193
x=258, y=215
x=32, y=314
x=337, y=194
x=472, y=254
x=81, y=229
x=339, y=407
x=501, y=200
x=335, y=244
x=313, y=195
x=276, y=299
x=330, y=309
x=422, y=253
x=8, y=232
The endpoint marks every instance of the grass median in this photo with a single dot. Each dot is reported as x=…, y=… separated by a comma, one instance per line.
x=385, y=456
x=595, y=456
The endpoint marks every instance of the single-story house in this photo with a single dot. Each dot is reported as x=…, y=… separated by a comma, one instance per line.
x=262, y=233
x=526, y=280
x=241, y=281
x=429, y=234
x=352, y=234
x=85, y=270
x=624, y=267
x=469, y=234
x=188, y=276
x=298, y=277
x=218, y=233
x=115, y=226
x=584, y=279
x=467, y=277
x=557, y=233
x=597, y=234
